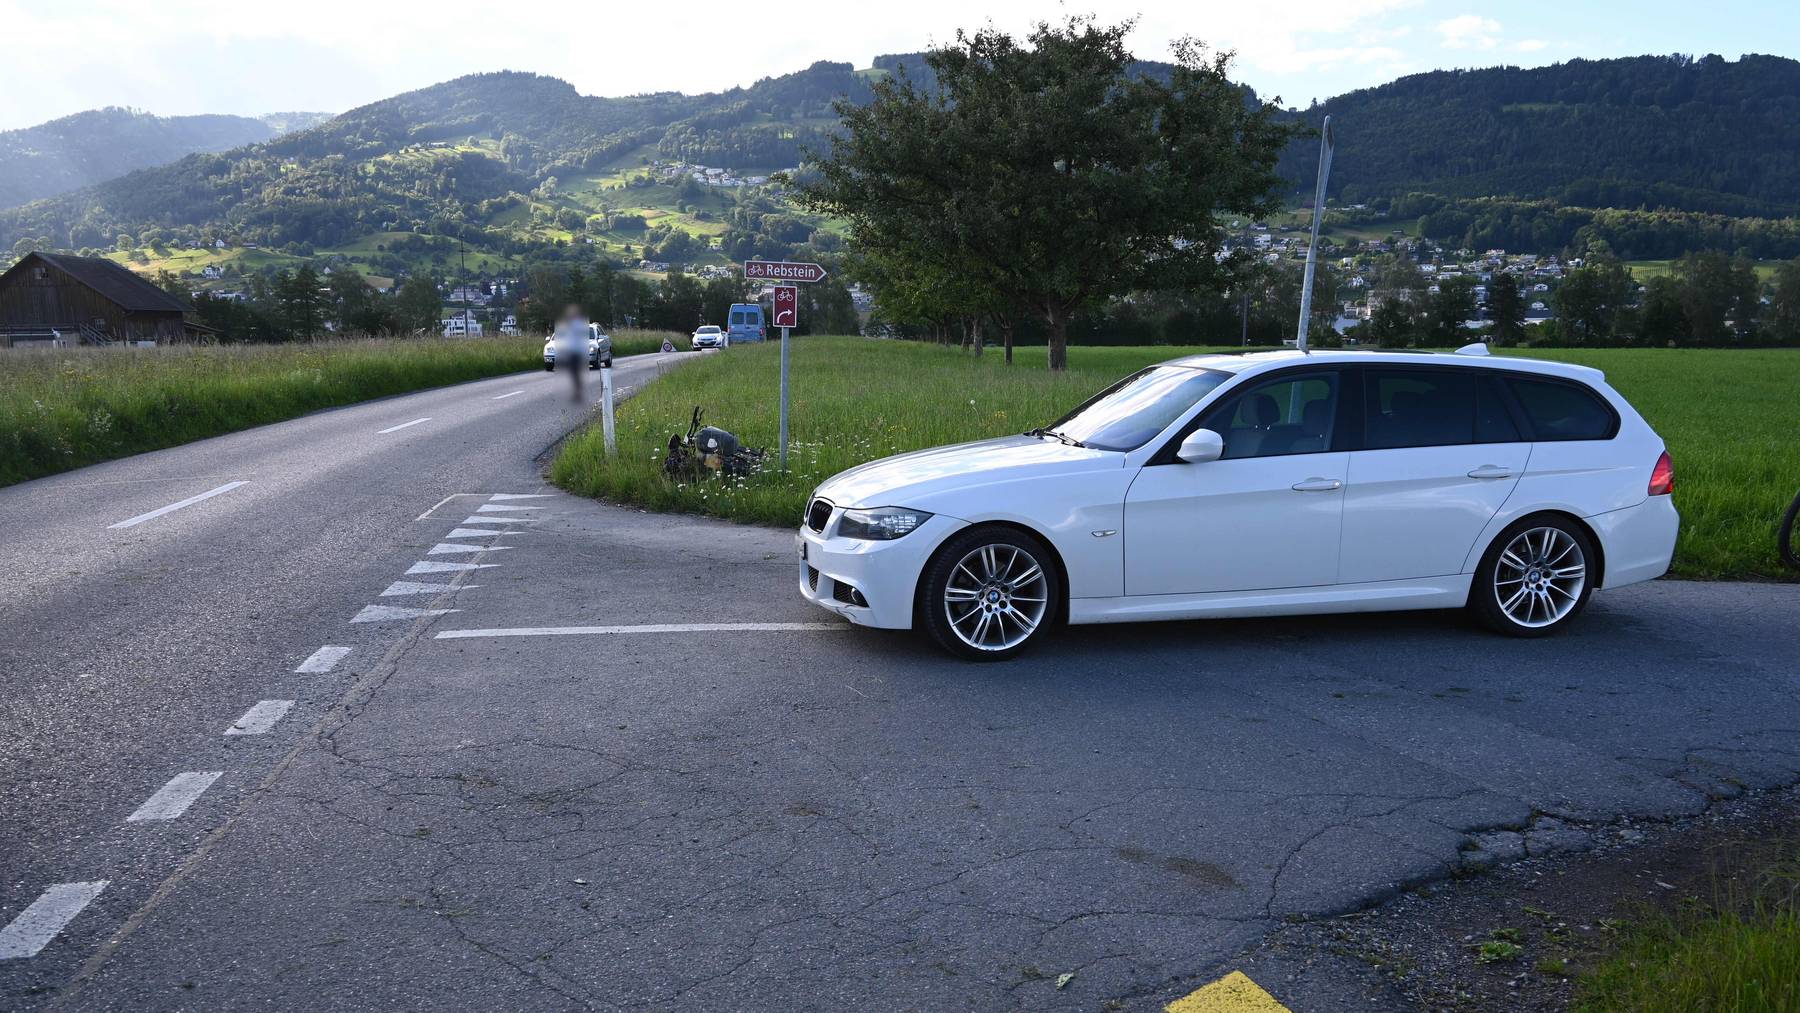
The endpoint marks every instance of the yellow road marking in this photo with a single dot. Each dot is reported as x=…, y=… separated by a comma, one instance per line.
x=1234, y=993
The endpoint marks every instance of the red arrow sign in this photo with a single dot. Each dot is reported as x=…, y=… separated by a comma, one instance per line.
x=782, y=270
x=787, y=306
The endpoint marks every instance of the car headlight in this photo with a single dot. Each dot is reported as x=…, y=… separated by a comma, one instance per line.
x=880, y=524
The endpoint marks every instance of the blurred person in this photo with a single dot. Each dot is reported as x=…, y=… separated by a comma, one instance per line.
x=572, y=346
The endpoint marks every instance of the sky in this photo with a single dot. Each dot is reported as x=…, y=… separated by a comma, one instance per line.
x=250, y=57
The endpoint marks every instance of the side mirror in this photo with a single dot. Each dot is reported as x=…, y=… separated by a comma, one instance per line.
x=1201, y=446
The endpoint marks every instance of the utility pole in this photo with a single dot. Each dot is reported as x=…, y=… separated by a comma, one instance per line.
x=1312, y=249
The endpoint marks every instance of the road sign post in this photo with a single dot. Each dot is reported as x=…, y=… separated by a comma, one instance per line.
x=606, y=410
x=786, y=315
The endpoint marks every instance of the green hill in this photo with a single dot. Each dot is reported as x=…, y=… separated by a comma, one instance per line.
x=507, y=167
x=88, y=147
x=1705, y=135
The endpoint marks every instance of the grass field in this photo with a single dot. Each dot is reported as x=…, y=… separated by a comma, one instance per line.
x=1730, y=418
x=65, y=408
x=1740, y=952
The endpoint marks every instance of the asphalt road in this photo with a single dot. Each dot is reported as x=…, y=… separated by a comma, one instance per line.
x=790, y=815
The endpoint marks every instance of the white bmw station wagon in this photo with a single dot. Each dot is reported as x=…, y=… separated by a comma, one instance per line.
x=1266, y=484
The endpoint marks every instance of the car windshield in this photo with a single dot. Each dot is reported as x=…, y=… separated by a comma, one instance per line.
x=1128, y=414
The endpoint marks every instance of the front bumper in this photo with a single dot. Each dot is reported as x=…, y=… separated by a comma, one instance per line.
x=704, y=344
x=835, y=572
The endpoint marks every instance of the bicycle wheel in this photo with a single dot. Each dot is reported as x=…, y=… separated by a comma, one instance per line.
x=1784, y=536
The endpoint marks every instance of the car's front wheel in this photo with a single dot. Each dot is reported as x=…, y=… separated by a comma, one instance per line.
x=989, y=593
x=1534, y=578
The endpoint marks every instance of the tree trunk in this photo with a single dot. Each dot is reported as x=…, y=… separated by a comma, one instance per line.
x=1006, y=336
x=975, y=335
x=1058, y=318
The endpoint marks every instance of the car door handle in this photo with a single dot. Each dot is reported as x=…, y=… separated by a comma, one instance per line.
x=1318, y=485
x=1492, y=471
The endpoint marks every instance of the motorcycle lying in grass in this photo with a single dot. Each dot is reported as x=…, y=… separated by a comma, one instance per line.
x=708, y=449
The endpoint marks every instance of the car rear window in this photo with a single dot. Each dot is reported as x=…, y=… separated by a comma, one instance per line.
x=1432, y=408
x=1563, y=411
x=738, y=317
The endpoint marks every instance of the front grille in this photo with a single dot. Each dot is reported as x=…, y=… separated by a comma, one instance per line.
x=818, y=515
x=812, y=578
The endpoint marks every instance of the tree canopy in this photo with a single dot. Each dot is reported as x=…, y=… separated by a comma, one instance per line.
x=1041, y=175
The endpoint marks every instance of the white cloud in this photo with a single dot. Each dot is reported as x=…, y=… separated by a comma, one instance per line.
x=1469, y=31
x=1530, y=45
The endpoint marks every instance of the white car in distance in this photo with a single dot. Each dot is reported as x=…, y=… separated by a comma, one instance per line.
x=710, y=336
x=1278, y=483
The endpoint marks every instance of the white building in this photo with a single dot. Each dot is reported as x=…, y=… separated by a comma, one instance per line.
x=510, y=326
x=462, y=325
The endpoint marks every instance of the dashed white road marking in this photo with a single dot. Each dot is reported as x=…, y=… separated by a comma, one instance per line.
x=260, y=718
x=456, y=548
x=432, y=566
x=403, y=425
x=400, y=587
x=394, y=613
x=478, y=532
x=190, y=501
x=503, y=397
x=324, y=659
x=492, y=519
x=521, y=495
x=173, y=799
x=55, y=908
x=579, y=631
x=496, y=508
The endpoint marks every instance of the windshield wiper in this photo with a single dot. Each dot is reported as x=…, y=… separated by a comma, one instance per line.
x=1053, y=434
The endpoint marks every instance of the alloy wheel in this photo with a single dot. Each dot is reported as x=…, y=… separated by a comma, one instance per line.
x=1539, y=577
x=996, y=597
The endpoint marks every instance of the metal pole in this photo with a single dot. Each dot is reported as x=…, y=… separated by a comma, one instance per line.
x=606, y=410
x=784, y=397
x=1312, y=249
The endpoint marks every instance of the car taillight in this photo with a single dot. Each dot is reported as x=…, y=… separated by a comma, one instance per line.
x=1662, y=477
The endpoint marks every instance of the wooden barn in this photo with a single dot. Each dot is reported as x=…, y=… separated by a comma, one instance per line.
x=49, y=298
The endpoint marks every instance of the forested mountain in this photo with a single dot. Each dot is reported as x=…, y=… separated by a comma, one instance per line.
x=435, y=155
x=1706, y=134
x=520, y=162
x=73, y=151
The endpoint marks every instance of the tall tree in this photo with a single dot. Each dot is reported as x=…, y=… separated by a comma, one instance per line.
x=1450, y=305
x=1506, y=308
x=1590, y=300
x=1784, y=304
x=1046, y=172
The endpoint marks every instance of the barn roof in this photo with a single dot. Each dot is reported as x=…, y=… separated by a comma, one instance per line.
x=116, y=283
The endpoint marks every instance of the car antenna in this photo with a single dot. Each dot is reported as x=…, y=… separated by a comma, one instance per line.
x=1312, y=249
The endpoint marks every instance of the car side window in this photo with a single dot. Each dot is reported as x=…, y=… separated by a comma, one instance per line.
x=1293, y=415
x=1563, y=411
x=1417, y=408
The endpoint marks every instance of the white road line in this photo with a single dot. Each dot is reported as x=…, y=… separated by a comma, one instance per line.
x=521, y=495
x=491, y=519
x=190, y=501
x=394, y=613
x=503, y=397
x=400, y=587
x=173, y=799
x=431, y=566
x=324, y=659
x=495, y=508
x=456, y=548
x=403, y=425
x=260, y=718
x=578, y=631
x=55, y=908
x=478, y=532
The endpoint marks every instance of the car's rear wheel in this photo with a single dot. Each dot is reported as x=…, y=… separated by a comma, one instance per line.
x=989, y=593
x=1534, y=578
